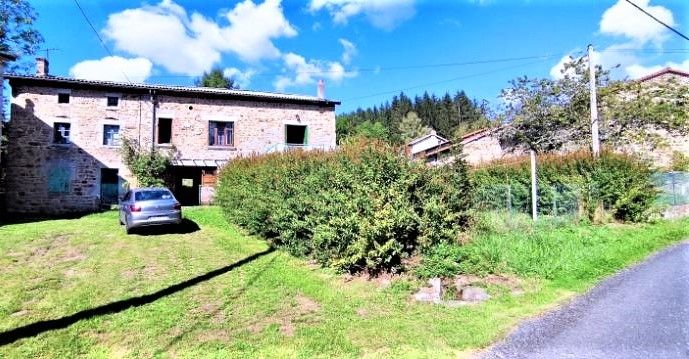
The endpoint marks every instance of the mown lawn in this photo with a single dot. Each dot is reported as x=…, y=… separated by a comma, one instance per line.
x=272, y=306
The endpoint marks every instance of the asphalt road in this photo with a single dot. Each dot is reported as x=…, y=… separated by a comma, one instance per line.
x=642, y=312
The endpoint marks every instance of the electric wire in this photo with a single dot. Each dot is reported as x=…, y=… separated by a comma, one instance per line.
x=658, y=20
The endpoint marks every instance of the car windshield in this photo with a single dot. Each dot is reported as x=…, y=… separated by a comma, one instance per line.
x=152, y=195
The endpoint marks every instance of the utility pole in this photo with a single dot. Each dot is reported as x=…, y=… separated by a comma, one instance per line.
x=595, y=145
x=534, y=187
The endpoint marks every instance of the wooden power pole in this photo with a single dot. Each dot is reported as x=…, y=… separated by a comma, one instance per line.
x=595, y=144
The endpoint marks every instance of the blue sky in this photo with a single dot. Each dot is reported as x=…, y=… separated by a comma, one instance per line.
x=366, y=51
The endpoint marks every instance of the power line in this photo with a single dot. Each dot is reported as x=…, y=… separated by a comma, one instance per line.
x=393, y=68
x=99, y=38
x=451, y=80
x=656, y=19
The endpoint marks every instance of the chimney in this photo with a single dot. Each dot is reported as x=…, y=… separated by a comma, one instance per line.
x=41, y=66
x=321, y=89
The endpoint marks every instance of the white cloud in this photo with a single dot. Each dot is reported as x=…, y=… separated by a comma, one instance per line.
x=623, y=19
x=190, y=45
x=636, y=71
x=241, y=78
x=305, y=72
x=113, y=68
x=609, y=58
x=383, y=14
x=349, y=50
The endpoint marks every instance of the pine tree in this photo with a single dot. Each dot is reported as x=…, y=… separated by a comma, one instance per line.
x=411, y=126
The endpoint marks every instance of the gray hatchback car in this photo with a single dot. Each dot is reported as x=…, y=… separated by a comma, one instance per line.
x=149, y=207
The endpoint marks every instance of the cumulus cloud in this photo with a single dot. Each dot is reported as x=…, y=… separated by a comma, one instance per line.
x=241, y=78
x=636, y=71
x=191, y=44
x=383, y=14
x=610, y=58
x=305, y=72
x=349, y=50
x=623, y=19
x=113, y=68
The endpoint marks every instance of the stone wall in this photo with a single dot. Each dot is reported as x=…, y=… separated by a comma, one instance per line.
x=43, y=177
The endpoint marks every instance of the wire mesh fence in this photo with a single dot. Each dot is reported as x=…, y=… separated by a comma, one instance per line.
x=568, y=200
x=553, y=200
x=673, y=188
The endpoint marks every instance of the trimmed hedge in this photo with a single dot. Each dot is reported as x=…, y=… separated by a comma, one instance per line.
x=362, y=207
x=620, y=184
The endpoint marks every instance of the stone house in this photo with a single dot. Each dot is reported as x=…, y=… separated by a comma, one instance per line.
x=65, y=136
x=484, y=145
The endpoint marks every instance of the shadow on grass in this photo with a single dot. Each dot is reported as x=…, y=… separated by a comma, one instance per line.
x=37, y=328
x=187, y=226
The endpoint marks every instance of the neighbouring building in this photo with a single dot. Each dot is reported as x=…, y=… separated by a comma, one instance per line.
x=479, y=146
x=485, y=145
x=65, y=136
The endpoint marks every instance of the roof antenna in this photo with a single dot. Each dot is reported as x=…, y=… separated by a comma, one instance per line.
x=47, y=52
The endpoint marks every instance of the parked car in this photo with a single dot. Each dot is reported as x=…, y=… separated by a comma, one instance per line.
x=149, y=207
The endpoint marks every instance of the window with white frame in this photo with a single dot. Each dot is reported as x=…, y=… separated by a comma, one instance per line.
x=111, y=135
x=61, y=132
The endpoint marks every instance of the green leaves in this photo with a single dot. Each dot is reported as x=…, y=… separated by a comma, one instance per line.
x=149, y=168
x=364, y=207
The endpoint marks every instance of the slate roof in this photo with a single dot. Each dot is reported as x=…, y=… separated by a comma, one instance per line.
x=57, y=81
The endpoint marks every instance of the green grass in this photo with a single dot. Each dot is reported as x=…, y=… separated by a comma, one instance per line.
x=276, y=305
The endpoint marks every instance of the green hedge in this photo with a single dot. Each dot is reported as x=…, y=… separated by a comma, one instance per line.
x=619, y=184
x=362, y=207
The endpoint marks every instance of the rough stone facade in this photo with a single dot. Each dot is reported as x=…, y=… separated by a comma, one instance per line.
x=51, y=178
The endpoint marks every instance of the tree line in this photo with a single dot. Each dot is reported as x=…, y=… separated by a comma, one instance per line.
x=404, y=118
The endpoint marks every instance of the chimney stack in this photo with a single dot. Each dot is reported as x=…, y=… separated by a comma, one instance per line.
x=321, y=89
x=41, y=67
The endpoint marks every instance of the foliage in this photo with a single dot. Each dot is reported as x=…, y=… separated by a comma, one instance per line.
x=17, y=32
x=217, y=79
x=679, y=162
x=619, y=183
x=545, y=114
x=148, y=167
x=559, y=251
x=449, y=115
x=371, y=130
x=411, y=127
x=363, y=207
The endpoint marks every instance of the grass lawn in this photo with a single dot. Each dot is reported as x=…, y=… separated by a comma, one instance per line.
x=272, y=306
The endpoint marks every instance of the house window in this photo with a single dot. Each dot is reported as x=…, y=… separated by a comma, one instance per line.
x=221, y=133
x=164, y=130
x=61, y=132
x=111, y=135
x=113, y=101
x=295, y=135
x=62, y=98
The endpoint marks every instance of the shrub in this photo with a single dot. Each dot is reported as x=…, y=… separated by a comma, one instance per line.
x=149, y=168
x=620, y=184
x=362, y=207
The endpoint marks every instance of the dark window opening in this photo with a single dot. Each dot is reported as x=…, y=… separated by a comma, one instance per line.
x=221, y=133
x=164, y=130
x=63, y=98
x=113, y=101
x=111, y=135
x=61, y=132
x=295, y=135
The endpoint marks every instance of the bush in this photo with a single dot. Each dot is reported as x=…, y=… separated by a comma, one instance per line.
x=148, y=167
x=362, y=207
x=620, y=184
